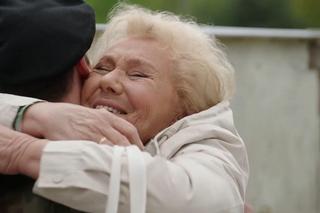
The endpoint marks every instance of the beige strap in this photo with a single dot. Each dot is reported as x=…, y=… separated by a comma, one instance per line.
x=138, y=180
x=114, y=185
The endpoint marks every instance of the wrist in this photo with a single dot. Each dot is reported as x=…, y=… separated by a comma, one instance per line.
x=19, y=117
x=31, y=119
x=29, y=161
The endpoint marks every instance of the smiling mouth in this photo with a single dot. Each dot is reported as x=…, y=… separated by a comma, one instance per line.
x=111, y=109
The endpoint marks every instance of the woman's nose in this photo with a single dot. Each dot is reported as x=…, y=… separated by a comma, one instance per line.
x=111, y=82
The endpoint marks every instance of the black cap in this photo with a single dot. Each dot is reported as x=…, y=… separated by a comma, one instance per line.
x=42, y=38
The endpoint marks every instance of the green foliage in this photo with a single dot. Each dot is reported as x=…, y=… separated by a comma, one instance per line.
x=218, y=12
x=251, y=13
x=101, y=7
x=267, y=13
x=308, y=11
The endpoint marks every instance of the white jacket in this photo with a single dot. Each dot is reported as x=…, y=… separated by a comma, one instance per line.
x=197, y=165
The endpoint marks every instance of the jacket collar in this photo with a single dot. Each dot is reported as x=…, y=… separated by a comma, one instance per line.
x=218, y=115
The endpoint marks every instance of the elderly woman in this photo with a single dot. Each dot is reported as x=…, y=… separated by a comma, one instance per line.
x=172, y=82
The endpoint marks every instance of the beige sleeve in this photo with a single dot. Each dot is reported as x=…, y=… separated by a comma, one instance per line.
x=9, y=105
x=77, y=174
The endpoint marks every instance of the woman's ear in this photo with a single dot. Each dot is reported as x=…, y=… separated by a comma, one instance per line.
x=83, y=67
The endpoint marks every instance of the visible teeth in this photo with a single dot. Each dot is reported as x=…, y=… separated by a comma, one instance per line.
x=108, y=108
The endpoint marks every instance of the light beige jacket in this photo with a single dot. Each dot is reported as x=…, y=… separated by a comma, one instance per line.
x=197, y=165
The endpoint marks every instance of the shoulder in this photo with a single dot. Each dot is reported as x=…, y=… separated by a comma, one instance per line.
x=206, y=127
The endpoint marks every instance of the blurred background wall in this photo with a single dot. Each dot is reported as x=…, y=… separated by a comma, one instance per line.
x=276, y=107
x=276, y=111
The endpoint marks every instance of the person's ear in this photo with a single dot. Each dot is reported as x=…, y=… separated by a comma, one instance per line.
x=83, y=67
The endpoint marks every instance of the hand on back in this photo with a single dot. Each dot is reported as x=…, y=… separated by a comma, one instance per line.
x=62, y=121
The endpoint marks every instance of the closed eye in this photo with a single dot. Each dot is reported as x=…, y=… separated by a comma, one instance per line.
x=102, y=70
x=138, y=74
x=104, y=67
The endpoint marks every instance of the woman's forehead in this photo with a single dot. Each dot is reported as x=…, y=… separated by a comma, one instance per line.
x=138, y=51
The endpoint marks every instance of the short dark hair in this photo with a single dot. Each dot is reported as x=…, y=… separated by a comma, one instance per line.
x=51, y=89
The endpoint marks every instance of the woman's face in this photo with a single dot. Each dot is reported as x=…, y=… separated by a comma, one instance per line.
x=133, y=79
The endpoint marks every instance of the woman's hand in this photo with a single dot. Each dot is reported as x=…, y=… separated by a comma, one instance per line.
x=62, y=121
x=19, y=153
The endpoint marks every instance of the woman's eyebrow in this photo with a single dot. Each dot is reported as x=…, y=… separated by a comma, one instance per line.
x=106, y=58
x=135, y=62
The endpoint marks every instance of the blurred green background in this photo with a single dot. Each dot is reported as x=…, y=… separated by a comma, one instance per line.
x=245, y=13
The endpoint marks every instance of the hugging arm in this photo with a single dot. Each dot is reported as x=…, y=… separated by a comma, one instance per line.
x=201, y=176
x=57, y=121
x=20, y=153
x=186, y=183
x=77, y=174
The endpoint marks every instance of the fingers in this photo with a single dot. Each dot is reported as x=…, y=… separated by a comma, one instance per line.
x=115, y=138
x=128, y=131
x=104, y=140
x=119, y=131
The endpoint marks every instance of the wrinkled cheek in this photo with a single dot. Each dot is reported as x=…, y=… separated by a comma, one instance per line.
x=89, y=87
x=134, y=120
x=142, y=125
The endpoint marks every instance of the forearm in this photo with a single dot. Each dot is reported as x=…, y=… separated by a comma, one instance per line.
x=20, y=153
x=89, y=168
x=30, y=160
